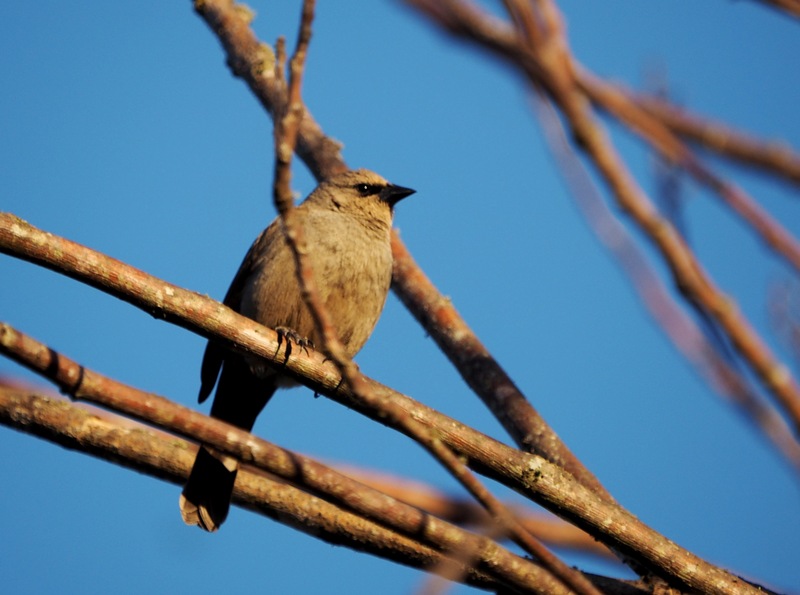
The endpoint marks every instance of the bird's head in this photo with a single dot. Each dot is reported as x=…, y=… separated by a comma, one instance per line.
x=362, y=194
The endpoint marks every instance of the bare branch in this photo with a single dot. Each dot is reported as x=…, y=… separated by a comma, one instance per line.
x=254, y=62
x=169, y=458
x=673, y=150
x=551, y=68
x=771, y=156
x=680, y=328
x=462, y=511
x=790, y=7
x=528, y=474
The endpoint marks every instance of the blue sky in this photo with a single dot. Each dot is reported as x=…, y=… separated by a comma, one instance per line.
x=123, y=130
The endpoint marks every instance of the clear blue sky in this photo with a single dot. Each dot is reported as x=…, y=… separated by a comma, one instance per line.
x=123, y=129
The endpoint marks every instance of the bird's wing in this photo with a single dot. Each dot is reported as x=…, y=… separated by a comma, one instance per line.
x=215, y=353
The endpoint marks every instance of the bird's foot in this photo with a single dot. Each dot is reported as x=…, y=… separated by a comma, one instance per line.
x=291, y=337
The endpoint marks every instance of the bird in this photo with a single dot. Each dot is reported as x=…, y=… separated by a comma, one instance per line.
x=347, y=221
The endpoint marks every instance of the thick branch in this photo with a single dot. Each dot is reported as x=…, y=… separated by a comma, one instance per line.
x=529, y=474
x=170, y=459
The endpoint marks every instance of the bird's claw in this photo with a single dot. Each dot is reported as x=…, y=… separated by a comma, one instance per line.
x=290, y=336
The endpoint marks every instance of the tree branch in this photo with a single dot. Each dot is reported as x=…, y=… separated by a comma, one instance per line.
x=773, y=157
x=169, y=458
x=675, y=323
x=671, y=149
x=790, y=7
x=465, y=512
x=550, y=66
x=531, y=475
x=254, y=62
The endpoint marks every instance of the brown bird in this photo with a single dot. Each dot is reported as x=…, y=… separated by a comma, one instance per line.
x=347, y=221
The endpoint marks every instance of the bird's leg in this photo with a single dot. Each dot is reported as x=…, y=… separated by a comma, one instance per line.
x=292, y=336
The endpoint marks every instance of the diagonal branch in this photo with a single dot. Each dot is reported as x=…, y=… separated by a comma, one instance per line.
x=400, y=533
x=670, y=148
x=680, y=328
x=465, y=512
x=530, y=475
x=773, y=157
x=550, y=67
x=254, y=62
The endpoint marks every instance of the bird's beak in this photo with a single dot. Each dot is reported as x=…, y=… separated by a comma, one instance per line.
x=392, y=194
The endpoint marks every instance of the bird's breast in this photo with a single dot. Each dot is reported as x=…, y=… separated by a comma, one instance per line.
x=352, y=267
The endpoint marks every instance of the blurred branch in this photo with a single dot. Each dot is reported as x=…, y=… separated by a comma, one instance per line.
x=543, y=57
x=682, y=331
x=530, y=475
x=671, y=149
x=254, y=62
x=773, y=157
x=791, y=7
x=784, y=313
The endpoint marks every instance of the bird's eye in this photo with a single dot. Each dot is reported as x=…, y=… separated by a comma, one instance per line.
x=367, y=189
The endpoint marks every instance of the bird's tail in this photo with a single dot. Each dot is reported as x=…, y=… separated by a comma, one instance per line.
x=206, y=498
x=240, y=397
